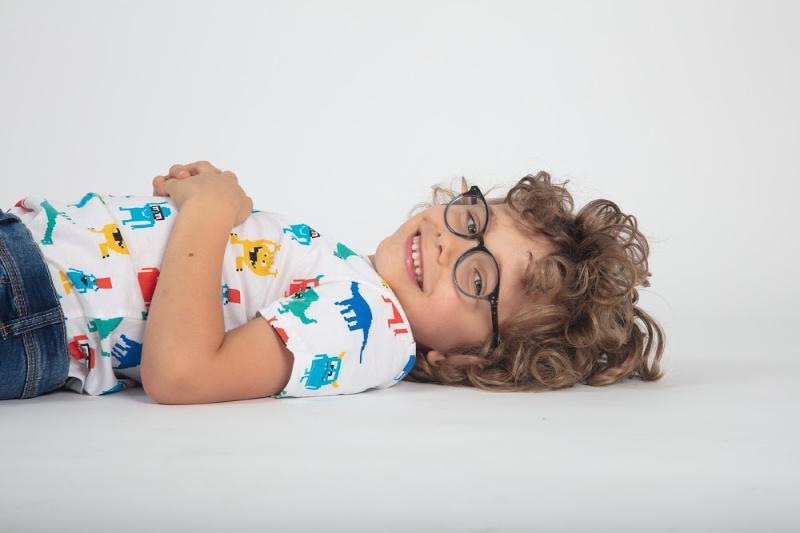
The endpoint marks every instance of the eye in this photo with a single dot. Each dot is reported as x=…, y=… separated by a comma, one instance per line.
x=477, y=283
x=472, y=226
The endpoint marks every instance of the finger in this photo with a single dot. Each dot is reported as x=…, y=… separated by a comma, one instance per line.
x=197, y=167
x=169, y=185
x=158, y=186
x=179, y=171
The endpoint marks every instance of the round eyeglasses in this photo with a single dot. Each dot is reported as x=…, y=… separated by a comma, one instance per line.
x=476, y=273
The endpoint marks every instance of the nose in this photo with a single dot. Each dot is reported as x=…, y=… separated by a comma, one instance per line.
x=451, y=246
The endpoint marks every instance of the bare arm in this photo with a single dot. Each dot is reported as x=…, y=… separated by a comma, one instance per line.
x=187, y=356
x=185, y=320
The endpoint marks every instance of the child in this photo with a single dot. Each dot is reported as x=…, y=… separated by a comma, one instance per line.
x=511, y=294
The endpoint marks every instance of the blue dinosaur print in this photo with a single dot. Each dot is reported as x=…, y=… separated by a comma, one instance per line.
x=406, y=369
x=128, y=352
x=361, y=317
x=302, y=233
x=118, y=386
x=146, y=215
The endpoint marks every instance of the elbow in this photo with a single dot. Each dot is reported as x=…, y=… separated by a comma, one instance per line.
x=161, y=384
x=156, y=388
x=167, y=392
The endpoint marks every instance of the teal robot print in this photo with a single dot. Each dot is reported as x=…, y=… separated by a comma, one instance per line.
x=358, y=315
x=147, y=215
x=302, y=233
x=324, y=371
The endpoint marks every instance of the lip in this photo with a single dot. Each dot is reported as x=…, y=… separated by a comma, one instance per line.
x=410, y=262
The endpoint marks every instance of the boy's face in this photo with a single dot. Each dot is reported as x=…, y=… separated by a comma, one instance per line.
x=441, y=317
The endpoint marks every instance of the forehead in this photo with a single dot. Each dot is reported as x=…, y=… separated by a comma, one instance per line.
x=514, y=249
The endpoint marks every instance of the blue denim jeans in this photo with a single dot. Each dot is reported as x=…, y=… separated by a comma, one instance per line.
x=34, y=358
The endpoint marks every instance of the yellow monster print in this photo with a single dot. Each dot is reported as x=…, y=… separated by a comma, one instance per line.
x=259, y=255
x=114, y=240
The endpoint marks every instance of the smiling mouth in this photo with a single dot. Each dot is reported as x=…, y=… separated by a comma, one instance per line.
x=413, y=259
x=416, y=258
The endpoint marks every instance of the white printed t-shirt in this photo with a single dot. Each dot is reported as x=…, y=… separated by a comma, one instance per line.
x=340, y=320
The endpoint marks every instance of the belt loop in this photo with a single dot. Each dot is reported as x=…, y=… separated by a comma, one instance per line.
x=21, y=325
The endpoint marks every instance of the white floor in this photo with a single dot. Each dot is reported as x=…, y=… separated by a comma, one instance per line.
x=712, y=447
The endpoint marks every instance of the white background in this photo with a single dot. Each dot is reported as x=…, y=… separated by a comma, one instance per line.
x=345, y=113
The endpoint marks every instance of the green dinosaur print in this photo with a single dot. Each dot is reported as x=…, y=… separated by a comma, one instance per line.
x=299, y=304
x=343, y=252
x=52, y=213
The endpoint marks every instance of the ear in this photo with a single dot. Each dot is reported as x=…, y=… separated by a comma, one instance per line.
x=434, y=357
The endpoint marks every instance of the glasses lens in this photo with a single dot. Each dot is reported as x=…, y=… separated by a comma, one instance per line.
x=467, y=215
x=476, y=274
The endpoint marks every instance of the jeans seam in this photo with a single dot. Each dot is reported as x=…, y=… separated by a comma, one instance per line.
x=56, y=304
x=20, y=304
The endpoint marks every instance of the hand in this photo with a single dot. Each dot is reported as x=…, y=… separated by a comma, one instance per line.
x=217, y=192
x=181, y=172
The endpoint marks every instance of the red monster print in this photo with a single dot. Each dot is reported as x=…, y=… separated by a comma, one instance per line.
x=80, y=349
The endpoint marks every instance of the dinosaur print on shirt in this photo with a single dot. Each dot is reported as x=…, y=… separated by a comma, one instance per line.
x=299, y=304
x=52, y=214
x=361, y=317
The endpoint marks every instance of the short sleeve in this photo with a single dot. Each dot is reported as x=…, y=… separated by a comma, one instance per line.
x=346, y=337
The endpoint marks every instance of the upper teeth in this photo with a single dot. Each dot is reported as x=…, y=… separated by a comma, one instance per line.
x=415, y=258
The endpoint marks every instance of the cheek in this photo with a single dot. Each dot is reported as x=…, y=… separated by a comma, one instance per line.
x=434, y=320
x=385, y=259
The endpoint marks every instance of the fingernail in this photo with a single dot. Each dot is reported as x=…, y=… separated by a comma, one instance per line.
x=183, y=174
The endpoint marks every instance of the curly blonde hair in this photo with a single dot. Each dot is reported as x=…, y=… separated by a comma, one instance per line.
x=583, y=324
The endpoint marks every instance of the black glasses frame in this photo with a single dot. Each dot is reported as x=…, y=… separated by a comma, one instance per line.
x=475, y=192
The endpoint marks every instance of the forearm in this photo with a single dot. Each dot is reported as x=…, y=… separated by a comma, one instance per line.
x=185, y=321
